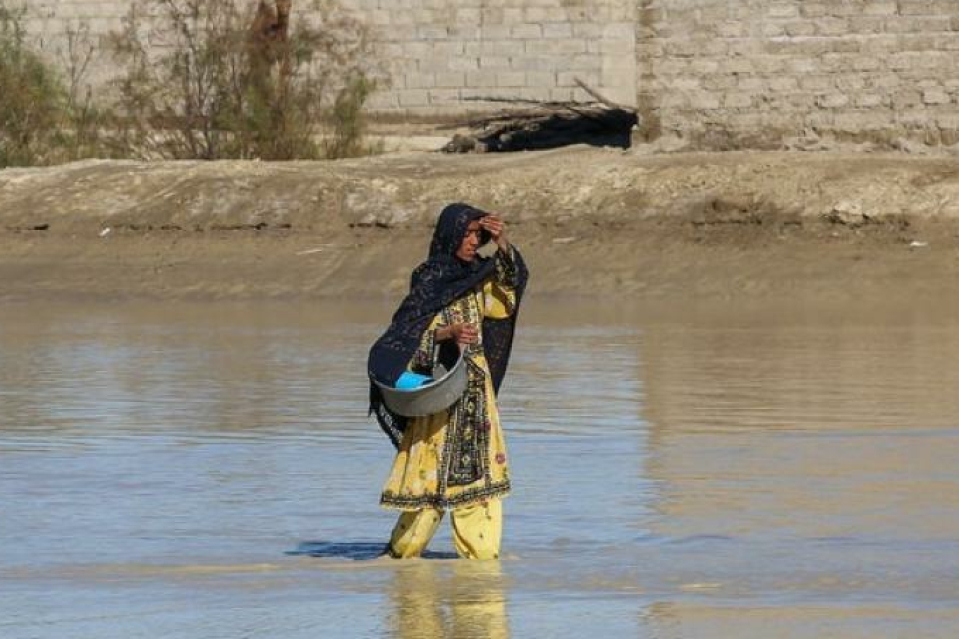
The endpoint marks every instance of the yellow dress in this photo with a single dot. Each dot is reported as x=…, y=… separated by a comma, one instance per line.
x=456, y=458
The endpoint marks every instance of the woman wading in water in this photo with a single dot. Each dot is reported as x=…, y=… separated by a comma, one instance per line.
x=455, y=459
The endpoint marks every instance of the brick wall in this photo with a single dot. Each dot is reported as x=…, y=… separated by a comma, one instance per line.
x=445, y=52
x=719, y=73
x=441, y=54
x=749, y=73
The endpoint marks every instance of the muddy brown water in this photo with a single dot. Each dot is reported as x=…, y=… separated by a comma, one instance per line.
x=706, y=470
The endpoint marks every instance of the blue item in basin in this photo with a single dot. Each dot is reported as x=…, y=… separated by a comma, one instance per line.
x=409, y=381
x=417, y=395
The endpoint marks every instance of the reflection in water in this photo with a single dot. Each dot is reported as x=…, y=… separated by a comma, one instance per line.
x=801, y=430
x=679, y=473
x=449, y=599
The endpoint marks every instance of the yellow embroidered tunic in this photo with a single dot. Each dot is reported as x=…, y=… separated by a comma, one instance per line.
x=456, y=457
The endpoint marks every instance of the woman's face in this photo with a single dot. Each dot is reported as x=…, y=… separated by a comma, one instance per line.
x=471, y=242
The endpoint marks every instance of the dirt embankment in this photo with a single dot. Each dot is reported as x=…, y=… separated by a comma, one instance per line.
x=591, y=222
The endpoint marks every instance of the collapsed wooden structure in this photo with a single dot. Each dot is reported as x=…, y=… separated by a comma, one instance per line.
x=547, y=125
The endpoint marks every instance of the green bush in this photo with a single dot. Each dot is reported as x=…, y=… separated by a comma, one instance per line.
x=214, y=91
x=33, y=97
x=43, y=119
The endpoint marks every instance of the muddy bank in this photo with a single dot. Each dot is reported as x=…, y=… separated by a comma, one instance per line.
x=591, y=221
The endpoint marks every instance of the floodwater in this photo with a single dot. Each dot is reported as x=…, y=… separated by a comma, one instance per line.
x=186, y=471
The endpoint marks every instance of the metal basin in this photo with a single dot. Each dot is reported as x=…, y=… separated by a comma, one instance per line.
x=448, y=385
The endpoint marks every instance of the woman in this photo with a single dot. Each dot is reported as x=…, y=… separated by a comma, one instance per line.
x=455, y=459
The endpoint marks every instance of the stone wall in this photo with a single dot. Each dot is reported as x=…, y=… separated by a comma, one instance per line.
x=714, y=73
x=753, y=72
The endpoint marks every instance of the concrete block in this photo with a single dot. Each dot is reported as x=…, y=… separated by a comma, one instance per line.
x=815, y=8
x=413, y=97
x=782, y=10
x=513, y=15
x=770, y=64
x=773, y=29
x=495, y=62
x=817, y=83
x=562, y=94
x=867, y=24
x=560, y=30
x=540, y=93
x=850, y=83
x=420, y=81
x=465, y=31
x=704, y=101
x=535, y=14
x=535, y=63
x=880, y=8
x=880, y=45
x=445, y=48
x=866, y=63
x=467, y=15
x=720, y=82
x=424, y=16
x=495, y=32
x=915, y=7
x=687, y=83
x=799, y=28
x=801, y=101
x=613, y=47
x=705, y=66
x=444, y=97
x=936, y=96
x=431, y=32
x=906, y=99
x=730, y=29
x=885, y=82
x=526, y=31
x=481, y=78
x=800, y=67
x=812, y=47
x=555, y=47
x=462, y=63
x=511, y=79
x=746, y=47
x=560, y=14
x=831, y=26
x=870, y=100
x=619, y=30
x=737, y=100
x=540, y=79
x=737, y=66
x=783, y=84
x=492, y=15
x=450, y=79
x=832, y=100
x=584, y=30
x=511, y=48
x=682, y=49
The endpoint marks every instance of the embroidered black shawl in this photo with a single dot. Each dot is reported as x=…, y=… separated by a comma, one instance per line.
x=434, y=284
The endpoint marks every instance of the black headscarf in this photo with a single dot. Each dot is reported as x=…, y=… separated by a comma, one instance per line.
x=434, y=284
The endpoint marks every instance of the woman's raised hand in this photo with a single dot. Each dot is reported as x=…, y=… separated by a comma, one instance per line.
x=497, y=229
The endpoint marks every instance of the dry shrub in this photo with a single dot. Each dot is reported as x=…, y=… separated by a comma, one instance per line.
x=46, y=118
x=198, y=84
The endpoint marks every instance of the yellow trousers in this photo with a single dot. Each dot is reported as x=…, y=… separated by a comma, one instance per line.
x=477, y=531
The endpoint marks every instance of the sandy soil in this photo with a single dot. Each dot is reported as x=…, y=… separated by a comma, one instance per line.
x=592, y=222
